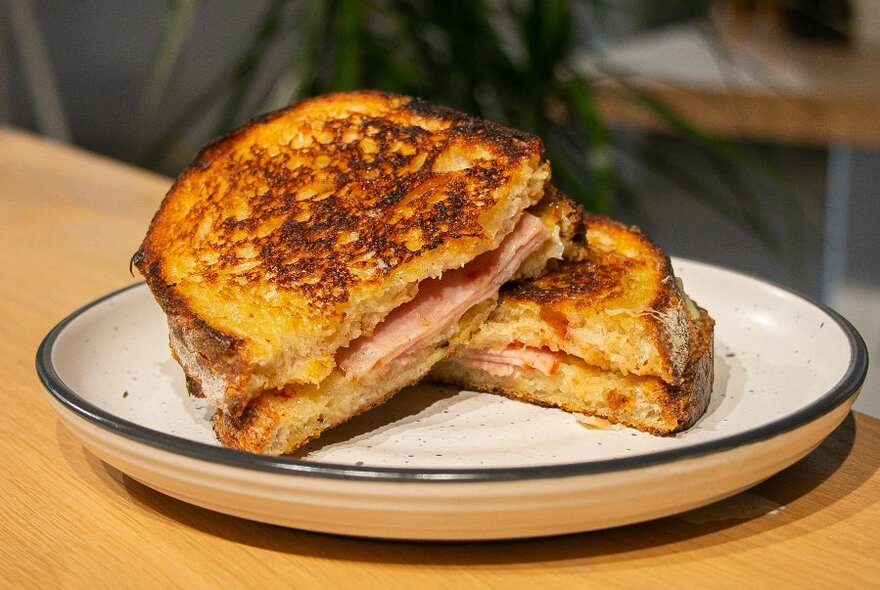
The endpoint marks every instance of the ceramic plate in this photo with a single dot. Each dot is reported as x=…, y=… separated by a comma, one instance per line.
x=438, y=463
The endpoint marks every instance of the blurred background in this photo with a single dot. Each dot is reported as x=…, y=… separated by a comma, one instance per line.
x=744, y=133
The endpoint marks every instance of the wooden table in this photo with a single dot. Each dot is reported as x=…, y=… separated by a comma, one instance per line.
x=69, y=222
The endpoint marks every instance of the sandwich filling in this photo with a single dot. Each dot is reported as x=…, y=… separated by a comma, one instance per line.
x=511, y=360
x=442, y=301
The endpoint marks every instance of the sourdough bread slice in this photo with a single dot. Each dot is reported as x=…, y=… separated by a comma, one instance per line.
x=301, y=231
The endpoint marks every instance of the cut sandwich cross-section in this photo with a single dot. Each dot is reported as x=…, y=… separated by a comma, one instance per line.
x=442, y=301
x=611, y=335
x=322, y=257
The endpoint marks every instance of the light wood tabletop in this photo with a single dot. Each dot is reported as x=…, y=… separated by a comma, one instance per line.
x=69, y=221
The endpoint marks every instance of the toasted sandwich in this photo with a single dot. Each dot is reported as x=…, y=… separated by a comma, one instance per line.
x=324, y=256
x=612, y=335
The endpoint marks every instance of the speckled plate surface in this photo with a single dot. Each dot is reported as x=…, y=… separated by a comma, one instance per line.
x=436, y=463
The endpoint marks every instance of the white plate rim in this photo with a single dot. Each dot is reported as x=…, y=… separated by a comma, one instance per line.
x=841, y=392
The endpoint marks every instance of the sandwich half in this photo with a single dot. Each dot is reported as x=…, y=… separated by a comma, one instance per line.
x=322, y=257
x=612, y=335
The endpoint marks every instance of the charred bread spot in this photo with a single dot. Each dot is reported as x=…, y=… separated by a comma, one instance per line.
x=251, y=430
x=194, y=386
x=587, y=282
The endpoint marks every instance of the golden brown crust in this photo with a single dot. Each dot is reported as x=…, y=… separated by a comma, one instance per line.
x=284, y=202
x=588, y=282
x=688, y=401
x=249, y=431
x=290, y=224
x=597, y=273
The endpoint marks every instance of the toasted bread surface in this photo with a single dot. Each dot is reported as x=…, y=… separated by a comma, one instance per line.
x=619, y=307
x=300, y=231
x=643, y=402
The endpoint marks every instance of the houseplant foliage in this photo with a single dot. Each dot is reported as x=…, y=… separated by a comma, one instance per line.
x=511, y=61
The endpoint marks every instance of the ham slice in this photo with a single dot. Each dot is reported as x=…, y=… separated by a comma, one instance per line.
x=443, y=301
x=506, y=362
